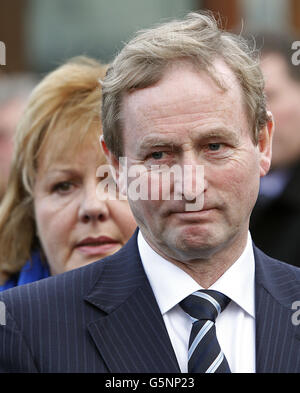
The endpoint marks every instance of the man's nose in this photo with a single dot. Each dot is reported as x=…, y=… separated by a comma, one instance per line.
x=92, y=209
x=193, y=181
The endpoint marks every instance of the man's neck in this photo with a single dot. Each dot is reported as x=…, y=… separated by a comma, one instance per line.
x=207, y=270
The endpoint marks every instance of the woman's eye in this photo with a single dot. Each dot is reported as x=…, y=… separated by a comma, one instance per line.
x=62, y=187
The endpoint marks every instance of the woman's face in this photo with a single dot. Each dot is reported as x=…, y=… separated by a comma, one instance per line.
x=74, y=226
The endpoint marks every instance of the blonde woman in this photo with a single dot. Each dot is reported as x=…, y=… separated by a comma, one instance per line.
x=51, y=218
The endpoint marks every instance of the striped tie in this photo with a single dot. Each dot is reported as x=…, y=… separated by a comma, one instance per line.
x=205, y=354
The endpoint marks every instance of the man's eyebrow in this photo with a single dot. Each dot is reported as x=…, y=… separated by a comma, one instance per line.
x=219, y=132
x=202, y=132
x=155, y=141
x=198, y=135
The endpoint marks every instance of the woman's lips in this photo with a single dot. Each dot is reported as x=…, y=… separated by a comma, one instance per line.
x=98, y=246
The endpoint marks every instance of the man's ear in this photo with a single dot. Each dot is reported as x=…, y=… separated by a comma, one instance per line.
x=103, y=145
x=117, y=172
x=111, y=159
x=265, y=140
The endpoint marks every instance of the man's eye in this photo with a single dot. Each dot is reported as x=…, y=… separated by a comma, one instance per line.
x=214, y=146
x=157, y=155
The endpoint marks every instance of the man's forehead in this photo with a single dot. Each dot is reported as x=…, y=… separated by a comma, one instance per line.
x=182, y=82
x=185, y=100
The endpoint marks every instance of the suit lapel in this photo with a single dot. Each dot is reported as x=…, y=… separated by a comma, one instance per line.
x=130, y=333
x=277, y=338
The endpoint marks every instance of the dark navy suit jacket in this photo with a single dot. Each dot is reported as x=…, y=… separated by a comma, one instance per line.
x=104, y=318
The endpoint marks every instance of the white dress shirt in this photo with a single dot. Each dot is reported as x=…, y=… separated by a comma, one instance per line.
x=235, y=326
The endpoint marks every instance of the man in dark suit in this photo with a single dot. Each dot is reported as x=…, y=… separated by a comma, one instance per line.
x=183, y=107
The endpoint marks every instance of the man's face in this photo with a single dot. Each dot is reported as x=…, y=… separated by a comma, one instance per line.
x=187, y=120
x=283, y=98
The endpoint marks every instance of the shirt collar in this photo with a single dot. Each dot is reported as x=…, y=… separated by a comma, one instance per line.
x=237, y=282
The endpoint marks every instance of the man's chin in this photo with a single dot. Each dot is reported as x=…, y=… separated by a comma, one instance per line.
x=200, y=247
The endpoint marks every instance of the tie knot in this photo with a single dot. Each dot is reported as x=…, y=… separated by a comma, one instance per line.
x=205, y=304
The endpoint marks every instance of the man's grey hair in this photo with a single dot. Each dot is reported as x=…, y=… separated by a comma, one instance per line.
x=198, y=39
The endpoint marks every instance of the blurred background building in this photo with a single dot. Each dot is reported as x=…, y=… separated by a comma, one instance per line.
x=40, y=34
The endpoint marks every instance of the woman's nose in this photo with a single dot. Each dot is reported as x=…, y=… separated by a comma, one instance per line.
x=92, y=208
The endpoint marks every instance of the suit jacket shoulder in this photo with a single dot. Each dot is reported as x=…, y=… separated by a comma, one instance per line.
x=277, y=293
x=42, y=318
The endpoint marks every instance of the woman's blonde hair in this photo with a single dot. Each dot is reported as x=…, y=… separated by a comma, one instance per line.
x=66, y=105
x=198, y=39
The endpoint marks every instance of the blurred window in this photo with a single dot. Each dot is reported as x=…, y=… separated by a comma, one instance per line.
x=59, y=29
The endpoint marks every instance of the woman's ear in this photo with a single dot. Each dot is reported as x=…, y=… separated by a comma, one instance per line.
x=265, y=140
